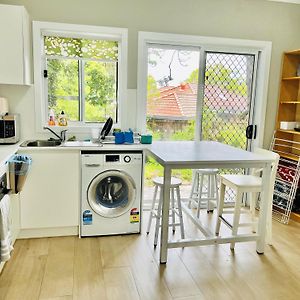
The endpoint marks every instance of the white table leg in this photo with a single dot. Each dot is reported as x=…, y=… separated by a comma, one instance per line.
x=165, y=216
x=269, y=222
x=264, y=208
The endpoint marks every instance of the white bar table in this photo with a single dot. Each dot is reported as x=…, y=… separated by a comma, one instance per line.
x=208, y=154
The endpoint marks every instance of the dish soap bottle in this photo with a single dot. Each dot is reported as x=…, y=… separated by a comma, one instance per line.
x=51, y=121
x=62, y=119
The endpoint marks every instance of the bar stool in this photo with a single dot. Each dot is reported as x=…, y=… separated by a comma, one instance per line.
x=156, y=213
x=246, y=184
x=197, y=192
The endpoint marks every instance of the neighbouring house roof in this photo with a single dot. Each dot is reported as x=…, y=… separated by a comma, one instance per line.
x=179, y=102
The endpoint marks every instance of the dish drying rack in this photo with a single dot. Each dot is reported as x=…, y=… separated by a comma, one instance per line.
x=287, y=177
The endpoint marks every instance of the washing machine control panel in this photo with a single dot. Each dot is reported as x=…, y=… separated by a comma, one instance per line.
x=123, y=158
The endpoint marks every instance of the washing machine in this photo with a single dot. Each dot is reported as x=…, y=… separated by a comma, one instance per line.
x=111, y=193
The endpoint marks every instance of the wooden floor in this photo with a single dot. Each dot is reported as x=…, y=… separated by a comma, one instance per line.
x=127, y=267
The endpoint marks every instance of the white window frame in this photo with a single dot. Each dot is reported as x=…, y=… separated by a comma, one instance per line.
x=262, y=48
x=80, y=31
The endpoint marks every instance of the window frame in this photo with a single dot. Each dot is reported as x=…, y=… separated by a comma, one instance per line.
x=40, y=29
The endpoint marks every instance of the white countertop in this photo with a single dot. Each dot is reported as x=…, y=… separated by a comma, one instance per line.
x=89, y=146
x=6, y=151
x=106, y=146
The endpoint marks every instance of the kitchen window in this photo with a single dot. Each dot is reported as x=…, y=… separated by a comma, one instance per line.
x=80, y=70
x=82, y=77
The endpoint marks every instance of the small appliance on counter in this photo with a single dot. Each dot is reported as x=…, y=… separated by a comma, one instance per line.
x=9, y=129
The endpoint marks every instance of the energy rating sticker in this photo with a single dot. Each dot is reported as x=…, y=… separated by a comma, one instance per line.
x=134, y=215
x=87, y=217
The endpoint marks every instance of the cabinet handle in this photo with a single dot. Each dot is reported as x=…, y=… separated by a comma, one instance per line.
x=92, y=165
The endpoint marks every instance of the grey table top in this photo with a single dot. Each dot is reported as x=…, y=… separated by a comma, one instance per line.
x=206, y=153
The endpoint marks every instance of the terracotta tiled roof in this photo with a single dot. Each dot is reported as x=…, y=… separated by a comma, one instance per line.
x=179, y=102
x=164, y=106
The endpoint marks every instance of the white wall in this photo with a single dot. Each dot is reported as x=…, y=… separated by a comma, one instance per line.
x=243, y=19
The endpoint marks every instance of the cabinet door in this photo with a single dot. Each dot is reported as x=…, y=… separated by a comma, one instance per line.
x=50, y=196
x=15, y=216
x=14, y=50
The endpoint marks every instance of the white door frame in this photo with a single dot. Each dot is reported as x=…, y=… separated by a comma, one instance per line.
x=262, y=48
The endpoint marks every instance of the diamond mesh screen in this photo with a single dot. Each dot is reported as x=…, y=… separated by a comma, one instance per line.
x=227, y=100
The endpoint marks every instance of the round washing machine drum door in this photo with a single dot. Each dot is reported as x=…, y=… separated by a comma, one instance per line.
x=111, y=193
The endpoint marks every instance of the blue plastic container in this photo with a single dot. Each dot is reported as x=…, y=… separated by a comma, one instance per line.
x=146, y=139
x=119, y=138
x=128, y=137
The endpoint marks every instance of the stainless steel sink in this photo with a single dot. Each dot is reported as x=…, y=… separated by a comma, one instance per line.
x=41, y=143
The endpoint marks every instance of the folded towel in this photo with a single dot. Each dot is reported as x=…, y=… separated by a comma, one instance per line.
x=5, y=234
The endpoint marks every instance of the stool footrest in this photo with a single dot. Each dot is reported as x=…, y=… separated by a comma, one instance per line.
x=170, y=224
x=247, y=224
x=155, y=215
x=229, y=211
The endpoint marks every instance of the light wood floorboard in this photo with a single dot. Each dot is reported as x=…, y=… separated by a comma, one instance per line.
x=58, y=276
x=127, y=267
x=120, y=284
x=149, y=280
x=88, y=272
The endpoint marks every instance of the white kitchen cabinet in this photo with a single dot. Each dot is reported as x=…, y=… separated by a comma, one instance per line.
x=50, y=197
x=15, y=216
x=15, y=45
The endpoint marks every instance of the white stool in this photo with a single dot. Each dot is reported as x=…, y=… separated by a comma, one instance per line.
x=197, y=192
x=156, y=213
x=246, y=184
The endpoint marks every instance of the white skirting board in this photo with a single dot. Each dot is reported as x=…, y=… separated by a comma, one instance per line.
x=48, y=232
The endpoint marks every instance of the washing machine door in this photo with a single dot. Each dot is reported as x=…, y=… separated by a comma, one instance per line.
x=111, y=193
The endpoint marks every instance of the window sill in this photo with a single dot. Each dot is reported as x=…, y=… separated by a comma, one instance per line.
x=72, y=127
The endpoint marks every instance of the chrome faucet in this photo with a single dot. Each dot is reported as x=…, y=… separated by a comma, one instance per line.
x=62, y=136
